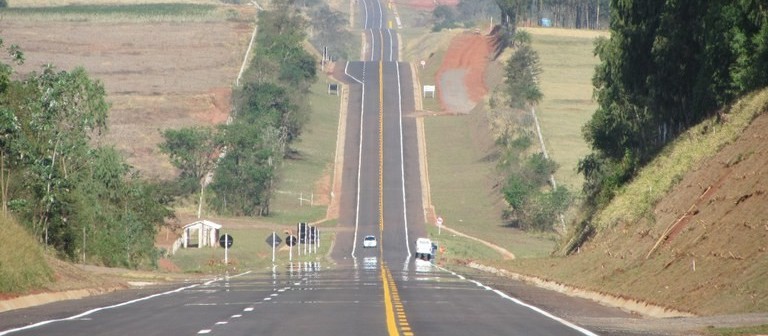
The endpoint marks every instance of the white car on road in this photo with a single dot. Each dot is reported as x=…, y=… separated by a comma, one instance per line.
x=369, y=241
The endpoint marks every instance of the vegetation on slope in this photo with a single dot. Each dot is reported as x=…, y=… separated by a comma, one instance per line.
x=82, y=200
x=666, y=67
x=271, y=109
x=22, y=264
x=689, y=232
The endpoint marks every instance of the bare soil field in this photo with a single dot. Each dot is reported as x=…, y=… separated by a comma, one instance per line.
x=464, y=63
x=157, y=75
x=426, y=4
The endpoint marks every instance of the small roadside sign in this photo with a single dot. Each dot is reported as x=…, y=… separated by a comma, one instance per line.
x=291, y=240
x=273, y=240
x=226, y=241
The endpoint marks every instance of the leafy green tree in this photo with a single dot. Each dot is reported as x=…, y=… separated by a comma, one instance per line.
x=192, y=150
x=244, y=177
x=115, y=214
x=522, y=73
x=59, y=116
x=445, y=17
x=10, y=126
x=330, y=30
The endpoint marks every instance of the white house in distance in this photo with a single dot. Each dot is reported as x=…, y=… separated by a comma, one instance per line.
x=206, y=232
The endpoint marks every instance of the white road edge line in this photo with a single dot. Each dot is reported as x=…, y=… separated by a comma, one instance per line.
x=402, y=159
x=529, y=306
x=74, y=317
x=359, y=166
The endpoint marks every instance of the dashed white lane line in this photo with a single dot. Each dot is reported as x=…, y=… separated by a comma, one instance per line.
x=267, y=298
x=204, y=331
x=236, y=316
x=221, y=322
x=248, y=309
x=273, y=294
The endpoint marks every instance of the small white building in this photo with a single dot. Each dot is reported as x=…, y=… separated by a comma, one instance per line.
x=206, y=232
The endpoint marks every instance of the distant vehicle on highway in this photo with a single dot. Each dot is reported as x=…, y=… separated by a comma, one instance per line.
x=424, y=249
x=369, y=241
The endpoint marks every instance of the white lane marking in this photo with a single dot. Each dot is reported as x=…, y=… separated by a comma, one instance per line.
x=402, y=159
x=237, y=315
x=391, y=46
x=204, y=331
x=365, y=10
x=381, y=16
x=350, y=76
x=359, y=167
x=531, y=307
x=221, y=322
x=273, y=294
x=267, y=298
x=373, y=45
x=81, y=315
x=248, y=309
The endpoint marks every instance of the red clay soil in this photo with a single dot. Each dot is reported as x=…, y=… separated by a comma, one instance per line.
x=468, y=51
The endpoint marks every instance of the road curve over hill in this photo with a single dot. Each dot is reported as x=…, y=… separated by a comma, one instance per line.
x=374, y=291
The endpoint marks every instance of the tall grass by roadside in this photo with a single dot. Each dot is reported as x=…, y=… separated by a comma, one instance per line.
x=638, y=198
x=22, y=264
x=160, y=12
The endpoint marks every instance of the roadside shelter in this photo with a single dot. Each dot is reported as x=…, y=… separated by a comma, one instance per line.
x=201, y=233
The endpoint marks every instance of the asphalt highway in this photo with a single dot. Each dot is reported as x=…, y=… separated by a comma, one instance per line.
x=363, y=291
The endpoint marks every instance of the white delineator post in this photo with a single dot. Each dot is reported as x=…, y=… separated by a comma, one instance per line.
x=273, y=246
x=226, y=249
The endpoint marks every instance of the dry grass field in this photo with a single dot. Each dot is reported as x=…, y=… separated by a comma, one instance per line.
x=158, y=74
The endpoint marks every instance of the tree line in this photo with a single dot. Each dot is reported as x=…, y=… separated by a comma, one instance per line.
x=270, y=110
x=667, y=66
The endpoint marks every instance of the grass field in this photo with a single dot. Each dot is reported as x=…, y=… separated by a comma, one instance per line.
x=566, y=81
x=461, y=178
x=146, y=12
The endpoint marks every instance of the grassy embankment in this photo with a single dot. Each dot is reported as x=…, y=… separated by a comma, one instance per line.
x=461, y=175
x=22, y=262
x=703, y=264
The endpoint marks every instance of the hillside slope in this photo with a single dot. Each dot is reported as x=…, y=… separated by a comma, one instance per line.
x=691, y=232
x=22, y=263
